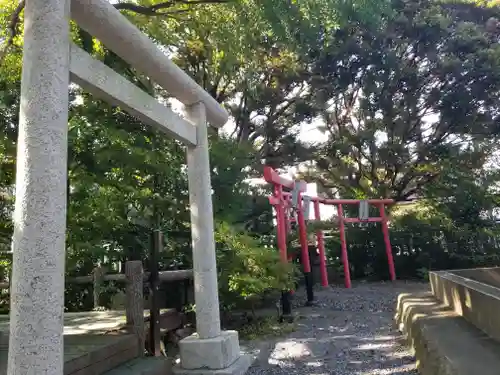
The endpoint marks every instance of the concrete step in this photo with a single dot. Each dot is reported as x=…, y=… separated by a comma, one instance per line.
x=144, y=366
x=444, y=343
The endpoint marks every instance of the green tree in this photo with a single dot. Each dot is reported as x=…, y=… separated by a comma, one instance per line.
x=469, y=198
x=402, y=98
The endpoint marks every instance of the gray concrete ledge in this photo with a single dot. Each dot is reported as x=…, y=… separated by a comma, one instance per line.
x=442, y=341
x=489, y=275
x=475, y=301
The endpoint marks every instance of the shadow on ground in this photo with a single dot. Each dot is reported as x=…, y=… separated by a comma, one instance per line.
x=348, y=332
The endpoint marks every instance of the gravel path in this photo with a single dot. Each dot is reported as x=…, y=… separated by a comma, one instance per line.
x=348, y=332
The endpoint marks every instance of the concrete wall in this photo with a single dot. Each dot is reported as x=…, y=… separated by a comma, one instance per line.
x=477, y=302
x=490, y=276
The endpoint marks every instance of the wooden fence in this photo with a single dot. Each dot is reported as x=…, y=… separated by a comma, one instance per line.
x=134, y=279
x=99, y=276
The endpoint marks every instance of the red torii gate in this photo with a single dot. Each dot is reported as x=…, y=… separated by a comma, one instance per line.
x=281, y=200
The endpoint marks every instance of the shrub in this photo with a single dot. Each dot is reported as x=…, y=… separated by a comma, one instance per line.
x=419, y=243
x=247, y=271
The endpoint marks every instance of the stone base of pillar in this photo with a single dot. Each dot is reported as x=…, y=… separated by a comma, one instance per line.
x=240, y=367
x=215, y=356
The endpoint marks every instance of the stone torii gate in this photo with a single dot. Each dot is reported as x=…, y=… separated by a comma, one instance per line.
x=50, y=61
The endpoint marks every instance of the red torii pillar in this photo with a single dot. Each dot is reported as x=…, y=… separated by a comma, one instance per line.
x=281, y=200
x=320, y=239
x=306, y=263
x=380, y=203
x=281, y=223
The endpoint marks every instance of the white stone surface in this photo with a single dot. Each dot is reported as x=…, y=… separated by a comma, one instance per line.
x=102, y=20
x=104, y=83
x=37, y=293
x=214, y=353
x=206, y=292
x=239, y=367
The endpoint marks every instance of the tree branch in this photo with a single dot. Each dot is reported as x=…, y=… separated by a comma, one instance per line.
x=159, y=9
x=12, y=30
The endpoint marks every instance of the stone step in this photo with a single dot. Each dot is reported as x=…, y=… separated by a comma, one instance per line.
x=444, y=343
x=144, y=366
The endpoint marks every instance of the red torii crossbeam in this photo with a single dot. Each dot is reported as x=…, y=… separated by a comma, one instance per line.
x=281, y=202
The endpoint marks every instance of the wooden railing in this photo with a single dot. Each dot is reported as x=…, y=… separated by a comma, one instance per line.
x=99, y=275
x=134, y=279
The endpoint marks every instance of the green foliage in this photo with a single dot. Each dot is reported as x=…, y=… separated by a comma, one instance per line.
x=451, y=228
x=325, y=225
x=468, y=198
x=403, y=98
x=407, y=92
x=254, y=58
x=418, y=245
x=247, y=270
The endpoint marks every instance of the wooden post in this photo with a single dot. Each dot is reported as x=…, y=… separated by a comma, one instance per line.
x=154, y=284
x=134, y=309
x=98, y=279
